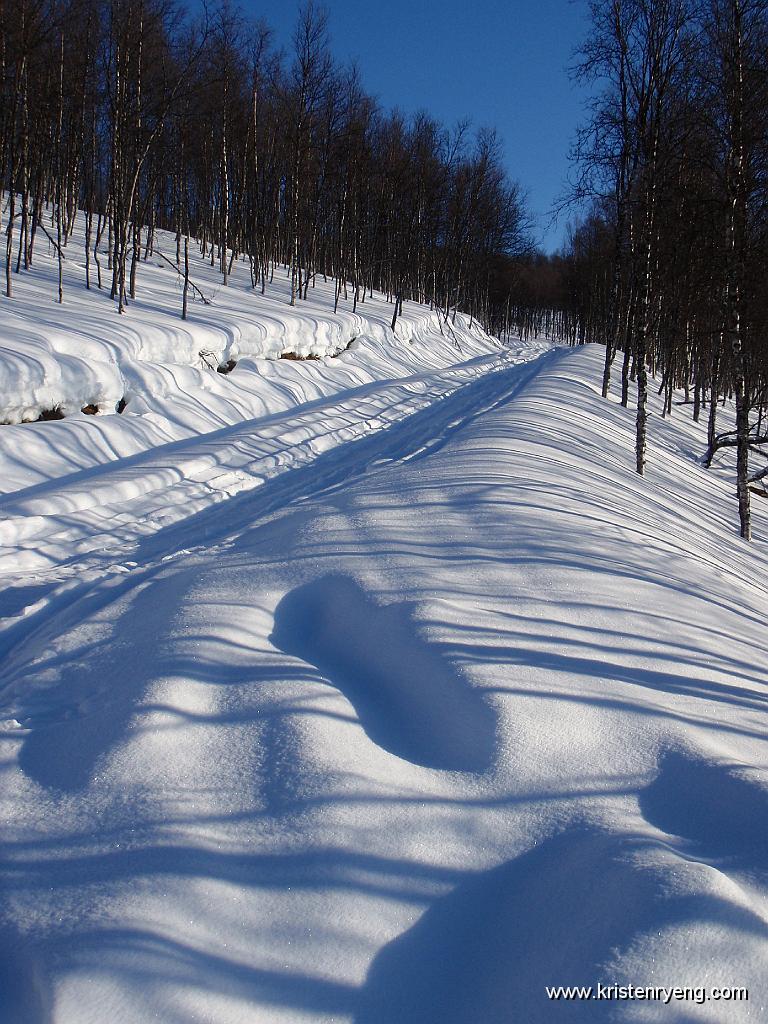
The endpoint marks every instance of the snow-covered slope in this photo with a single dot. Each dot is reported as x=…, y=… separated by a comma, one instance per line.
x=83, y=353
x=189, y=435
x=452, y=708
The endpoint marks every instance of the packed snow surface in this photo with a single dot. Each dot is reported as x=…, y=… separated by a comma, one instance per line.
x=375, y=689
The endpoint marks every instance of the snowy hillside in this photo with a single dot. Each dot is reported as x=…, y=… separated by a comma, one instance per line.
x=354, y=377
x=83, y=354
x=394, y=703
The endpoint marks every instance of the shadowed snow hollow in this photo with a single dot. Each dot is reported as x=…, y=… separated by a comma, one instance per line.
x=408, y=698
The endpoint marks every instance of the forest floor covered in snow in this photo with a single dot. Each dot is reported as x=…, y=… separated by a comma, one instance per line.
x=376, y=688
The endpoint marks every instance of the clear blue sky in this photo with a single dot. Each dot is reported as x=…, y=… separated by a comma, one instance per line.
x=501, y=63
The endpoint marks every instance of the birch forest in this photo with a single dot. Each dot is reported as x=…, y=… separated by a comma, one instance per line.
x=668, y=267
x=146, y=118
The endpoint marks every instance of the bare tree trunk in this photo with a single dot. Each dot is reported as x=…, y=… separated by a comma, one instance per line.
x=9, y=242
x=60, y=170
x=186, y=278
x=735, y=241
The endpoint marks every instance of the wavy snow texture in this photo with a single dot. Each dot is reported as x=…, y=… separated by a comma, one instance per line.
x=198, y=824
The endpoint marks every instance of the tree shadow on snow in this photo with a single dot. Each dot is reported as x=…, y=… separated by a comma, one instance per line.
x=89, y=709
x=25, y=992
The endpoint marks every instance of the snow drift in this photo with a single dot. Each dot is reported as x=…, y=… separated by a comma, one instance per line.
x=399, y=702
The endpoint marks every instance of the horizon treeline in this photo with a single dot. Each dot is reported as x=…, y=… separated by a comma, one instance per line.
x=146, y=118
x=669, y=268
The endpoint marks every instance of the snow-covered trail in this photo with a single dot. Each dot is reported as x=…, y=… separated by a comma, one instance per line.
x=439, y=717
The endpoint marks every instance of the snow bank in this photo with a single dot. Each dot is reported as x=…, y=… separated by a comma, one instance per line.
x=82, y=353
x=189, y=433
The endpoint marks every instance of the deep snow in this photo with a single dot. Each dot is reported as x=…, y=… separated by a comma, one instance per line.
x=437, y=703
